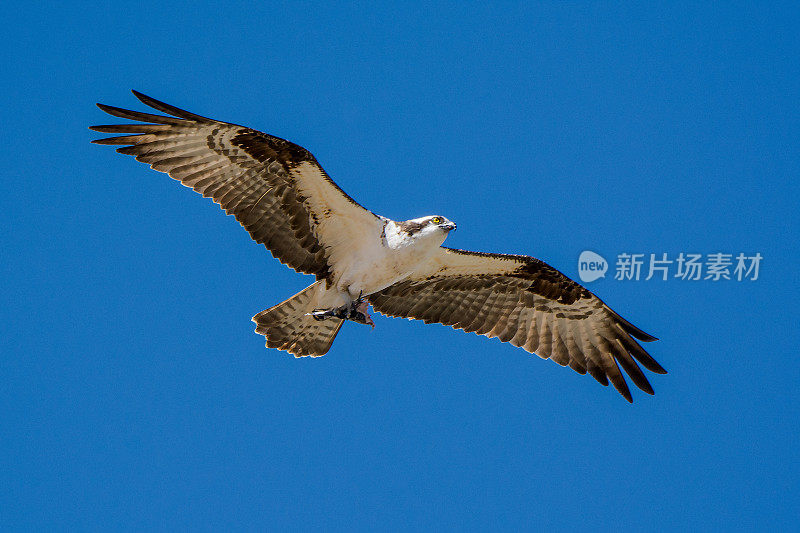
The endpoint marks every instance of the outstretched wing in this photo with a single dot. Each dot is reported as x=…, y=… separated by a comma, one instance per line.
x=528, y=303
x=274, y=188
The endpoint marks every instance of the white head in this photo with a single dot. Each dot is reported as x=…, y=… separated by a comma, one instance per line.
x=433, y=227
x=428, y=232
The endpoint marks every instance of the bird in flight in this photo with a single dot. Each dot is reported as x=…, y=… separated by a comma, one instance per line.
x=281, y=195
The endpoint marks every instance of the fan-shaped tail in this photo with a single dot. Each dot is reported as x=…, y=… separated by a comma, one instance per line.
x=287, y=326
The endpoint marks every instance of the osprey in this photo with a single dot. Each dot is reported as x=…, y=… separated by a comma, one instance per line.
x=286, y=201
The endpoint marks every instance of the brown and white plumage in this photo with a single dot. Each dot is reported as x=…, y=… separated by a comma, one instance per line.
x=273, y=187
x=286, y=201
x=528, y=303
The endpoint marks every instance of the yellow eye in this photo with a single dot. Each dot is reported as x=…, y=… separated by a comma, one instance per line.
x=436, y=220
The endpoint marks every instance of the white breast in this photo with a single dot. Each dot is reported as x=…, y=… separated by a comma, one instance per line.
x=383, y=262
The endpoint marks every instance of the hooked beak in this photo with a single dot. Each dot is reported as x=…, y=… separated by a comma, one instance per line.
x=450, y=226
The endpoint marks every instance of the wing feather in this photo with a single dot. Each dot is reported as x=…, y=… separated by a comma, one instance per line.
x=526, y=302
x=274, y=188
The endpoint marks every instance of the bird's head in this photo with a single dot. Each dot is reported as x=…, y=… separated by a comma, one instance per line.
x=441, y=223
x=435, y=226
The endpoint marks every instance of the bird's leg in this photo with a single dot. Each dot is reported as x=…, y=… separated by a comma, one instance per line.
x=357, y=311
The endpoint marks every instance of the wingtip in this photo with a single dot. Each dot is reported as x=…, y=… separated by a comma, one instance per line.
x=646, y=389
x=627, y=395
x=618, y=381
x=646, y=338
x=636, y=332
x=623, y=389
x=169, y=109
x=631, y=329
x=146, y=100
x=97, y=128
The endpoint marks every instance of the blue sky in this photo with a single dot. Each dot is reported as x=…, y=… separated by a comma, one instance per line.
x=135, y=395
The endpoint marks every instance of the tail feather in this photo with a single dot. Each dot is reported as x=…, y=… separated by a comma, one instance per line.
x=287, y=327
